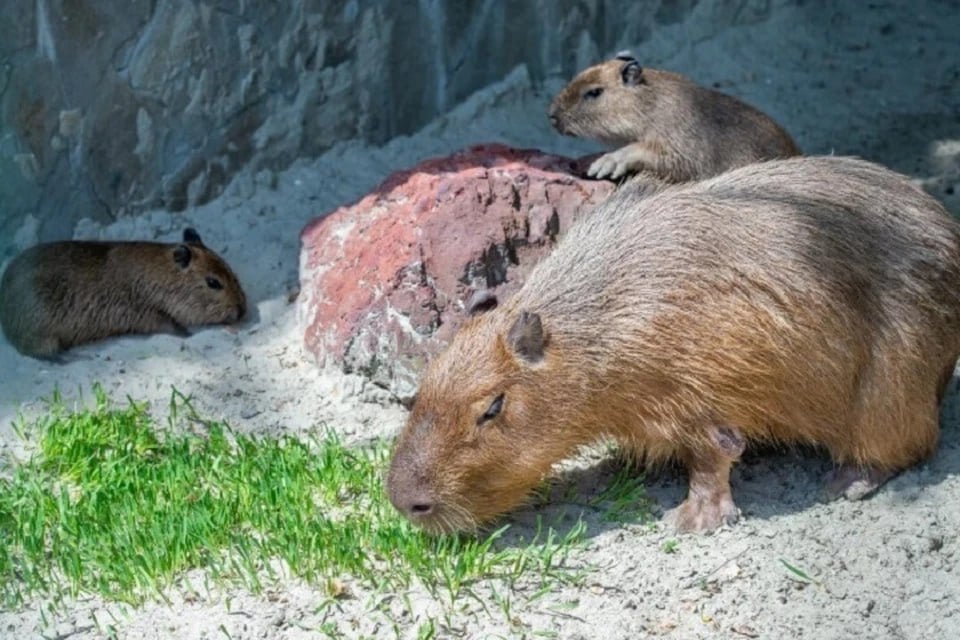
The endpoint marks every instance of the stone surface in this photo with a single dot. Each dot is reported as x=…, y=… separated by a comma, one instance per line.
x=384, y=281
x=118, y=106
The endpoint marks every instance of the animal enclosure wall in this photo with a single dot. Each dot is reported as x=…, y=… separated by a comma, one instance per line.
x=115, y=107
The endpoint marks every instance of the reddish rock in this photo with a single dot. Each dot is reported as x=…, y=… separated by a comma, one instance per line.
x=383, y=281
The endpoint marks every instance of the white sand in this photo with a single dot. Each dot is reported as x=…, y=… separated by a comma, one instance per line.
x=886, y=565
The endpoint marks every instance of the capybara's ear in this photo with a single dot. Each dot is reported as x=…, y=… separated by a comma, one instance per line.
x=191, y=236
x=526, y=337
x=182, y=255
x=632, y=73
x=481, y=301
x=626, y=55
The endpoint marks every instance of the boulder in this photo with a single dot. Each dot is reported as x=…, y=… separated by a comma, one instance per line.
x=383, y=281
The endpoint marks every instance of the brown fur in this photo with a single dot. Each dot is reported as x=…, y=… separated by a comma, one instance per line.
x=57, y=295
x=664, y=124
x=811, y=300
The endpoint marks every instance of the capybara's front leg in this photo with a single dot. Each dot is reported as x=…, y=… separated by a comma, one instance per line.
x=164, y=323
x=709, y=503
x=631, y=158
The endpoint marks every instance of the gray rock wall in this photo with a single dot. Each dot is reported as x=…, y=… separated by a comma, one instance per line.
x=109, y=107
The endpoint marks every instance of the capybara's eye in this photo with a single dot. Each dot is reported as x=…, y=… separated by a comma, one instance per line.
x=593, y=93
x=213, y=283
x=493, y=410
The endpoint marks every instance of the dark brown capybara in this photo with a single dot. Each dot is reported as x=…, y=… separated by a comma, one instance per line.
x=57, y=295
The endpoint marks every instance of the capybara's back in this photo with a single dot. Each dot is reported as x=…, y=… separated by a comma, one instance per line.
x=811, y=300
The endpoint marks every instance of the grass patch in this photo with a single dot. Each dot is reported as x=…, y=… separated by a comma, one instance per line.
x=625, y=498
x=111, y=504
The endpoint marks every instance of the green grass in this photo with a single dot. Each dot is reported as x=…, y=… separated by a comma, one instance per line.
x=799, y=574
x=113, y=505
x=625, y=498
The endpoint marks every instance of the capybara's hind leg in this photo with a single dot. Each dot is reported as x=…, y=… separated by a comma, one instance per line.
x=44, y=348
x=709, y=503
x=854, y=482
x=894, y=433
x=945, y=377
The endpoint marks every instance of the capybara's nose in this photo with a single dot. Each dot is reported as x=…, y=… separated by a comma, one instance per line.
x=419, y=509
x=408, y=497
x=554, y=121
x=414, y=507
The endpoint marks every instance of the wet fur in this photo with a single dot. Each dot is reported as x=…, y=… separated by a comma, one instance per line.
x=686, y=132
x=811, y=300
x=58, y=295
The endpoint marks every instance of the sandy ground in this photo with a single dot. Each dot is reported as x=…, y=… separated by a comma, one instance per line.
x=883, y=85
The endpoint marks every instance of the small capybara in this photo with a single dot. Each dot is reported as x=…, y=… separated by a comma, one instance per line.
x=663, y=123
x=57, y=295
x=809, y=300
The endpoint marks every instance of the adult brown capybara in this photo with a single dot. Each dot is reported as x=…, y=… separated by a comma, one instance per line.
x=663, y=123
x=57, y=295
x=810, y=300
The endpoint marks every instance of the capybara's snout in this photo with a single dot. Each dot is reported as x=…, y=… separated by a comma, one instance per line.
x=241, y=311
x=408, y=489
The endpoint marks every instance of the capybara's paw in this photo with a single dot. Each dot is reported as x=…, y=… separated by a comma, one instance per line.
x=854, y=483
x=614, y=165
x=703, y=513
x=602, y=167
